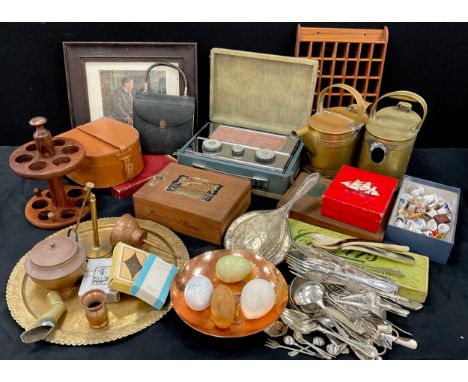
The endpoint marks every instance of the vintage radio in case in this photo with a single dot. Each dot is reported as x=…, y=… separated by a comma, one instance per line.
x=255, y=101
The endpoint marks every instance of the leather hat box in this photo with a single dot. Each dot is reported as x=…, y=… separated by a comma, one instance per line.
x=113, y=154
x=194, y=202
x=358, y=197
x=307, y=210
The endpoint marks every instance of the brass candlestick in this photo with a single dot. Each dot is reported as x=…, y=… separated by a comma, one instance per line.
x=99, y=248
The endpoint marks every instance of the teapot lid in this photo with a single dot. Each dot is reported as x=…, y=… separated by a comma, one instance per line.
x=53, y=252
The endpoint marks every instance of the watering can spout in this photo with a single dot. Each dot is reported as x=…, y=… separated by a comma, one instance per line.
x=300, y=133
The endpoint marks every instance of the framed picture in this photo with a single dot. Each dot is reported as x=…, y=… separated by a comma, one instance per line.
x=103, y=77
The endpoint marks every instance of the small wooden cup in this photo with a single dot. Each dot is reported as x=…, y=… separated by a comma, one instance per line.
x=94, y=304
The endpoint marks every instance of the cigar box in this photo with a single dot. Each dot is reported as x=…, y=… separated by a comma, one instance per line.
x=412, y=279
x=152, y=165
x=256, y=100
x=359, y=198
x=307, y=210
x=194, y=202
x=423, y=241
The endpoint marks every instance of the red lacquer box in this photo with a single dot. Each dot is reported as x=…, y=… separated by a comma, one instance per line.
x=360, y=198
x=153, y=164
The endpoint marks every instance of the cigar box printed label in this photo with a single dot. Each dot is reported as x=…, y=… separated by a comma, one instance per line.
x=194, y=187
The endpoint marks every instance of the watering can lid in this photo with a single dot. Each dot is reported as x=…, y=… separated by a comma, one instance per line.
x=395, y=123
x=333, y=121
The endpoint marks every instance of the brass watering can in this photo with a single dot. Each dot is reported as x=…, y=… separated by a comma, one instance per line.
x=390, y=135
x=332, y=134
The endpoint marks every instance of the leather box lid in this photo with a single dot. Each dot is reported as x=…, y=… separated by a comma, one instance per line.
x=360, y=193
x=261, y=91
x=104, y=136
x=188, y=191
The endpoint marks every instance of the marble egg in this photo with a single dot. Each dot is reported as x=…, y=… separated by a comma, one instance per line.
x=197, y=293
x=257, y=298
x=232, y=269
x=223, y=307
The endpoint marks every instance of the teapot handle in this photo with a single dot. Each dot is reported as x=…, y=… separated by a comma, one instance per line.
x=361, y=106
x=77, y=237
x=404, y=95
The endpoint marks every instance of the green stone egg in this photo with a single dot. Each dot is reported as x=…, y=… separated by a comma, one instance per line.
x=232, y=269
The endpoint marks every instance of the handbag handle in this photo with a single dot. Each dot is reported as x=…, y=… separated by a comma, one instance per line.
x=404, y=95
x=357, y=96
x=147, y=88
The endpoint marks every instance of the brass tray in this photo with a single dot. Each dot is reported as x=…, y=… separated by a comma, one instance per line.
x=27, y=301
x=205, y=264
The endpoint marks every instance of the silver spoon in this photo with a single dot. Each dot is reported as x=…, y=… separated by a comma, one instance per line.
x=309, y=327
x=266, y=233
x=276, y=345
x=290, y=341
x=311, y=293
x=299, y=338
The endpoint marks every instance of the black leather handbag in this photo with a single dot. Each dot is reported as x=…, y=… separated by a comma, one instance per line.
x=165, y=122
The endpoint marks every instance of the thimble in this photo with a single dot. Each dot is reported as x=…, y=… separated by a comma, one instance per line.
x=431, y=225
x=420, y=224
x=429, y=199
x=418, y=191
x=401, y=217
x=402, y=211
x=427, y=233
x=412, y=208
x=402, y=203
x=443, y=228
x=443, y=211
x=432, y=213
x=440, y=202
x=400, y=224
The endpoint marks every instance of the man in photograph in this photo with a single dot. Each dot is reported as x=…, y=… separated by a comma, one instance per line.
x=122, y=101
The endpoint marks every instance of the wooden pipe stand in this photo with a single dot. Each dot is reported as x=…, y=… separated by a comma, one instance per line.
x=50, y=159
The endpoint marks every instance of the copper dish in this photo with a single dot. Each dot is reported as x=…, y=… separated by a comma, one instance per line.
x=27, y=301
x=205, y=264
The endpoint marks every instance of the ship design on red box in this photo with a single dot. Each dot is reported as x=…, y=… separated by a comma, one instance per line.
x=358, y=197
x=364, y=187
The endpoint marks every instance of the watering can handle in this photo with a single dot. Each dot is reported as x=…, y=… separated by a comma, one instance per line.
x=361, y=107
x=404, y=95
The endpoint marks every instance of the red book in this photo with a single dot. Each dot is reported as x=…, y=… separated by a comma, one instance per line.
x=358, y=197
x=153, y=165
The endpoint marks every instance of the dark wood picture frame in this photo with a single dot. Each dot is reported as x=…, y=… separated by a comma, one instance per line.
x=77, y=54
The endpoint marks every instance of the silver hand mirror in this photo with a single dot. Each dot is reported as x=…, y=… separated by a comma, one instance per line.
x=266, y=233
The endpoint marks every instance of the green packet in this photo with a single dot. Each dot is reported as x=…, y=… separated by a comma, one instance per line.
x=412, y=279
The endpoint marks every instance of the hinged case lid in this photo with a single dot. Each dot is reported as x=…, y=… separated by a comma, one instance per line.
x=261, y=91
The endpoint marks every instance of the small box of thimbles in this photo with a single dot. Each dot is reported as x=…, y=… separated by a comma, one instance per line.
x=424, y=217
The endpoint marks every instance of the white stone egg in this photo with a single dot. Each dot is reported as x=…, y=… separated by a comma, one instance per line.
x=197, y=293
x=257, y=298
